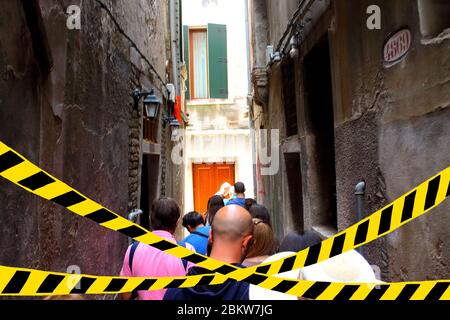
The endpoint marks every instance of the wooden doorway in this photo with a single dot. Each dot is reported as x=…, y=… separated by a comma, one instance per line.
x=207, y=180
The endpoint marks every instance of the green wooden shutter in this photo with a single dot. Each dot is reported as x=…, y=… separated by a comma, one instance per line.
x=186, y=59
x=218, y=61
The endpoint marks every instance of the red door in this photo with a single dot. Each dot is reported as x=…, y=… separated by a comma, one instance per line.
x=207, y=181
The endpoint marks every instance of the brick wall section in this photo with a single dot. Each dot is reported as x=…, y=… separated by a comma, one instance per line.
x=134, y=147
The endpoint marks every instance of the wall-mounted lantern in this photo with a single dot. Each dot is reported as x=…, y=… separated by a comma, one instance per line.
x=174, y=126
x=151, y=103
x=171, y=119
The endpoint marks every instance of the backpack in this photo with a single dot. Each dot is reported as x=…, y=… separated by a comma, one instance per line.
x=133, y=250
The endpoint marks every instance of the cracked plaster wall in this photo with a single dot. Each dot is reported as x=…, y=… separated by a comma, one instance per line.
x=78, y=124
x=391, y=128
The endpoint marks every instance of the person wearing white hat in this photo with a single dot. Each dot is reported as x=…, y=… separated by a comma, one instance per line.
x=226, y=192
x=349, y=266
x=346, y=267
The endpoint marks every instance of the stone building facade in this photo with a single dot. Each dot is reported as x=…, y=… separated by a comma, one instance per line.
x=66, y=104
x=346, y=115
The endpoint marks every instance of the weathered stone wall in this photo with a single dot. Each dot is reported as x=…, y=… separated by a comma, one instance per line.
x=20, y=216
x=279, y=14
x=78, y=123
x=390, y=126
x=392, y=129
x=274, y=195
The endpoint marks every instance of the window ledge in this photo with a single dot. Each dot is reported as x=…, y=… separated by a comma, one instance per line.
x=150, y=147
x=207, y=102
x=325, y=231
x=444, y=35
x=212, y=132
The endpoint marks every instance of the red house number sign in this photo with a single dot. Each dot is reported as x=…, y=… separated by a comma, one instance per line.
x=396, y=47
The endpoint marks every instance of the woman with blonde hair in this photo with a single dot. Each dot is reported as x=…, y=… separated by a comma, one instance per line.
x=226, y=192
x=263, y=243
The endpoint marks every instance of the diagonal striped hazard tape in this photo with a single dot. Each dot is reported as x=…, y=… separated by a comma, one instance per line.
x=28, y=282
x=406, y=208
x=15, y=168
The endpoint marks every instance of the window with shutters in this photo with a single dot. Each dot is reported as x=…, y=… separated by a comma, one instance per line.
x=198, y=54
x=205, y=56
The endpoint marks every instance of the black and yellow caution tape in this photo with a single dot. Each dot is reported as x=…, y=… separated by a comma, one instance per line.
x=29, y=282
x=406, y=208
x=15, y=168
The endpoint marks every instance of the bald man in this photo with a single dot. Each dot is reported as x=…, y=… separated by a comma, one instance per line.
x=229, y=240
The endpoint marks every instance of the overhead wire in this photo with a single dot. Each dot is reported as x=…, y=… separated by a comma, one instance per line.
x=290, y=25
x=133, y=45
x=298, y=14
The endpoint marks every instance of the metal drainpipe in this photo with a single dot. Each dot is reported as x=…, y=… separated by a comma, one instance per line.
x=174, y=40
x=250, y=98
x=360, y=191
x=133, y=216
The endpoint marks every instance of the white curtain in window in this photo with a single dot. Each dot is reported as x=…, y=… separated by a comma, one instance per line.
x=200, y=77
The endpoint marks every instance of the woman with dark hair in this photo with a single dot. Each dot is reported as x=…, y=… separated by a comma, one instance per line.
x=297, y=242
x=215, y=203
x=249, y=202
x=259, y=211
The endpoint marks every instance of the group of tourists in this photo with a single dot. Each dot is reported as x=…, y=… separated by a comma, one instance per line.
x=235, y=230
